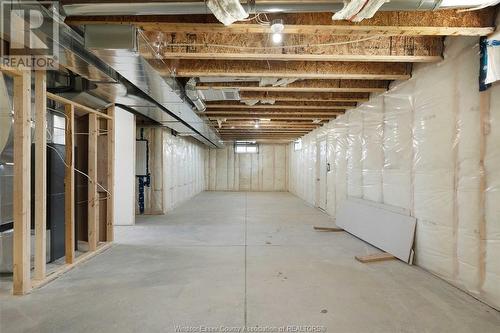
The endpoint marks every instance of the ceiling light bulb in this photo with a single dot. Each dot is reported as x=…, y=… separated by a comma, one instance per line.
x=277, y=38
x=256, y=125
x=277, y=26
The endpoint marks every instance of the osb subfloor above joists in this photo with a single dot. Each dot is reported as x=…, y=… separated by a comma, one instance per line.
x=312, y=47
x=442, y=22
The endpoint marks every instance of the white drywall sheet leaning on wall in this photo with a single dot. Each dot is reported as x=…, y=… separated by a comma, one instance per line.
x=124, y=190
x=389, y=228
x=435, y=130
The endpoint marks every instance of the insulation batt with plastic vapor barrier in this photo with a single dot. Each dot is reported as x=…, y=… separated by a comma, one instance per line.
x=266, y=170
x=176, y=165
x=183, y=163
x=418, y=147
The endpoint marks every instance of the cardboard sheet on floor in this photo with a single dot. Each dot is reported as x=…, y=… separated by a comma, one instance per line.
x=390, y=229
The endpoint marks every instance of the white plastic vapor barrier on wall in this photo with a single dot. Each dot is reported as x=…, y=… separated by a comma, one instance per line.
x=176, y=165
x=303, y=170
x=266, y=170
x=491, y=243
x=354, y=153
x=183, y=169
x=372, y=150
x=339, y=165
x=428, y=145
x=397, y=147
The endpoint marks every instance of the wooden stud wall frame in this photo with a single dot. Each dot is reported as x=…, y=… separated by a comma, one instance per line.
x=23, y=281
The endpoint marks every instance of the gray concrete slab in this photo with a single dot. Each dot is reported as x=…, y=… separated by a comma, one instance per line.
x=234, y=258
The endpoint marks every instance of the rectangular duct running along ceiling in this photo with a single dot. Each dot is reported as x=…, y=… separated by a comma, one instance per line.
x=219, y=95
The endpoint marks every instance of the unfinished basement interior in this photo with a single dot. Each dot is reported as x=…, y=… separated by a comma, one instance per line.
x=250, y=166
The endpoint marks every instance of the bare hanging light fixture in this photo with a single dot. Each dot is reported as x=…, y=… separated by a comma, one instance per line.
x=277, y=28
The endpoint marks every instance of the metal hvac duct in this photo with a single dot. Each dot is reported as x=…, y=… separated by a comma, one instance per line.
x=261, y=6
x=165, y=91
x=125, y=78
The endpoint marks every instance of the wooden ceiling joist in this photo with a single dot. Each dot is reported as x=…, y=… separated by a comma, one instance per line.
x=412, y=23
x=265, y=125
x=300, y=57
x=258, y=140
x=262, y=130
x=273, y=112
x=258, y=116
x=275, y=122
x=262, y=127
x=263, y=134
x=285, y=104
x=270, y=123
x=284, y=69
x=278, y=107
x=242, y=129
x=319, y=86
x=244, y=136
x=305, y=96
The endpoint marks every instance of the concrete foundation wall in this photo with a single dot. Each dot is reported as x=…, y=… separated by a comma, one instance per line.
x=266, y=170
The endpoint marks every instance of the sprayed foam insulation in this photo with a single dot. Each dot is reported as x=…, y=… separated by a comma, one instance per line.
x=266, y=170
x=418, y=147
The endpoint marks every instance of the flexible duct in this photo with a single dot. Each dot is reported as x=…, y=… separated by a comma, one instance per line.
x=192, y=94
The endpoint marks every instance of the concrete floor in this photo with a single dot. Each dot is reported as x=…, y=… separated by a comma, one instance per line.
x=230, y=259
